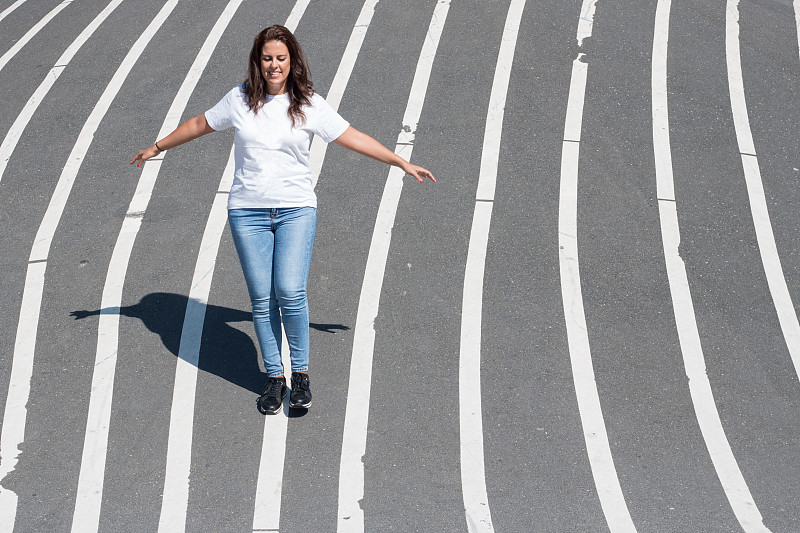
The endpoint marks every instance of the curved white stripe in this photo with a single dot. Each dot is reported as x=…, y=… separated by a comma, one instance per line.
x=269, y=488
x=108, y=328
x=266, y=517
x=86, y=516
x=781, y=298
x=7, y=11
x=176, y=485
x=267, y=510
x=31, y=33
x=15, y=414
x=797, y=22
x=15, y=132
x=699, y=386
x=22, y=363
x=490, y=155
x=334, y=96
x=594, y=430
x=473, y=471
x=586, y=20
x=268, y=492
x=350, y=516
x=296, y=14
x=19, y=389
x=179, y=446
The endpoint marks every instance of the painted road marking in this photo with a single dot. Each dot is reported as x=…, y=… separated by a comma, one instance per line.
x=7, y=11
x=598, y=449
x=339, y=84
x=15, y=132
x=350, y=517
x=473, y=471
x=31, y=33
x=755, y=190
x=86, y=517
x=699, y=386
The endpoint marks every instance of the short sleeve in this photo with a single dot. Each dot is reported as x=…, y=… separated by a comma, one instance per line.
x=220, y=117
x=329, y=124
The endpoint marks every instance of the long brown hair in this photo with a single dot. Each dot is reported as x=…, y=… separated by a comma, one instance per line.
x=298, y=84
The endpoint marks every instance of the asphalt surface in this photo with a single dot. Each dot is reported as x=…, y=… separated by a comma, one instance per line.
x=537, y=470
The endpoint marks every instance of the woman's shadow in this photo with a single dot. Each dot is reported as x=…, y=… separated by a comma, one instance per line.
x=224, y=351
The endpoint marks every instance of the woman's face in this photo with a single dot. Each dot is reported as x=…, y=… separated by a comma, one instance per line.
x=275, y=66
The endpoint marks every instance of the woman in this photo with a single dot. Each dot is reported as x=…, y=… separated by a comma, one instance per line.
x=272, y=205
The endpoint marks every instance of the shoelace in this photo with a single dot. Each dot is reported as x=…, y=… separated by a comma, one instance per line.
x=300, y=381
x=273, y=387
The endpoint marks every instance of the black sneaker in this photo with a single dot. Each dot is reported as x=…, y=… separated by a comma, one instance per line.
x=301, y=393
x=271, y=400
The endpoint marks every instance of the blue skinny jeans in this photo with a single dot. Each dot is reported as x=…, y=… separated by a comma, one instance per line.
x=274, y=248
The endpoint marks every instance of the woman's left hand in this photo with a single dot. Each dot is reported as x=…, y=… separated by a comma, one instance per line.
x=361, y=143
x=418, y=172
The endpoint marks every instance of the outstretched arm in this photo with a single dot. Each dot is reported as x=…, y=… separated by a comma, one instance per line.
x=354, y=140
x=188, y=131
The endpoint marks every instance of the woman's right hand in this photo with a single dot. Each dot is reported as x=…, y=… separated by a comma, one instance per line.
x=144, y=155
x=189, y=130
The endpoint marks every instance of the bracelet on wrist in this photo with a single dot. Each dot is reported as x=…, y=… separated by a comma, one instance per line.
x=158, y=147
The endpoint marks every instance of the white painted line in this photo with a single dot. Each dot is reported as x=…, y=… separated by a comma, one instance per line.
x=350, y=516
x=705, y=407
x=741, y=121
x=490, y=155
x=598, y=449
x=586, y=20
x=266, y=516
x=354, y=441
x=22, y=363
x=15, y=415
x=15, y=132
x=787, y=316
x=269, y=488
x=19, y=389
x=473, y=471
x=90, y=488
x=7, y=11
x=86, y=516
x=577, y=94
x=175, y=497
x=296, y=14
x=719, y=449
x=31, y=33
x=339, y=84
x=797, y=22
x=267, y=512
x=58, y=201
x=602, y=463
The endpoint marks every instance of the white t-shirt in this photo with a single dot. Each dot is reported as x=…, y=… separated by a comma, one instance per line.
x=271, y=156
